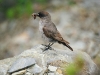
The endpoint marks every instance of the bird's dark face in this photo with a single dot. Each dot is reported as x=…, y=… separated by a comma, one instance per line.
x=40, y=14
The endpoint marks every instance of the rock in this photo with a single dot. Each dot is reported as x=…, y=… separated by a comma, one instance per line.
x=28, y=73
x=5, y=64
x=51, y=74
x=3, y=69
x=19, y=72
x=51, y=59
x=79, y=45
x=35, y=69
x=21, y=63
x=52, y=68
x=59, y=71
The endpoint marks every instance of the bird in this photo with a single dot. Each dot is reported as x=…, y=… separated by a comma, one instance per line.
x=49, y=31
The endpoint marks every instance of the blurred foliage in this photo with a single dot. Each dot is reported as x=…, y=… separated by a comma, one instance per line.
x=10, y=9
x=18, y=8
x=71, y=2
x=41, y=1
x=75, y=67
x=22, y=7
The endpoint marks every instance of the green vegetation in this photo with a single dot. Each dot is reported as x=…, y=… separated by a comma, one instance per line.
x=18, y=8
x=41, y=1
x=21, y=7
x=11, y=9
x=71, y=2
x=74, y=68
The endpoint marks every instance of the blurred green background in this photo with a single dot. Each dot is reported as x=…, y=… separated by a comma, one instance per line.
x=77, y=20
x=11, y=9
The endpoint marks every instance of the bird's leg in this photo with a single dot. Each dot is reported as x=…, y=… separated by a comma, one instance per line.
x=48, y=46
x=51, y=44
x=44, y=45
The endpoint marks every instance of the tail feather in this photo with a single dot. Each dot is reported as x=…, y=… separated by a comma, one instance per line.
x=65, y=43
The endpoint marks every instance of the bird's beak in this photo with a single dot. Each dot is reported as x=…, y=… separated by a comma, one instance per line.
x=34, y=15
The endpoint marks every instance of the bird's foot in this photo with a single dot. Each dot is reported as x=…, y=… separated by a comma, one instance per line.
x=47, y=47
x=44, y=45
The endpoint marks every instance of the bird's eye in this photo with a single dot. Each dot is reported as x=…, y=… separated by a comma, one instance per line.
x=41, y=15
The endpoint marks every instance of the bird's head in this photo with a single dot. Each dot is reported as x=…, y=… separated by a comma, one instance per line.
x=41, y=14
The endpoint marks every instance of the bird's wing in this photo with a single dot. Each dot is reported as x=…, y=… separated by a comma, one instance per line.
x=52, y=32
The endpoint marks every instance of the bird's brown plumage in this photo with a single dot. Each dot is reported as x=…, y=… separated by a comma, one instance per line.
x=55, y=35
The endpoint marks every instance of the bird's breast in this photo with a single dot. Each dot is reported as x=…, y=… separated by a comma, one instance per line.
x=41, y=25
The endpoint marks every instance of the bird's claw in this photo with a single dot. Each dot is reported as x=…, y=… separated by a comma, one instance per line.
x=47, y=47
x=44, y=45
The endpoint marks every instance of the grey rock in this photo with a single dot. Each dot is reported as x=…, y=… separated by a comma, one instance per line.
x=51, y=73
x=3, y=70
x=21, y=63
x=22, y=72
x=35, y=69
x=43, y=59
x=52, y=68
x=58, y=73
x=65, y=55
x=5, y=64
x=28, y=73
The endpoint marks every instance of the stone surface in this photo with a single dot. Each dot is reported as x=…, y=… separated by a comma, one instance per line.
x=21, y=63
x=28, y=73
x=35, y=69
x=3, y=69
x=59, y=71
x=42, y=60
x=20, y=72
x=52, y=68
x=51, y=74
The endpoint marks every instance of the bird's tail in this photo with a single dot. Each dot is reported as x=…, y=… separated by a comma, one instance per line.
x=65, y=43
